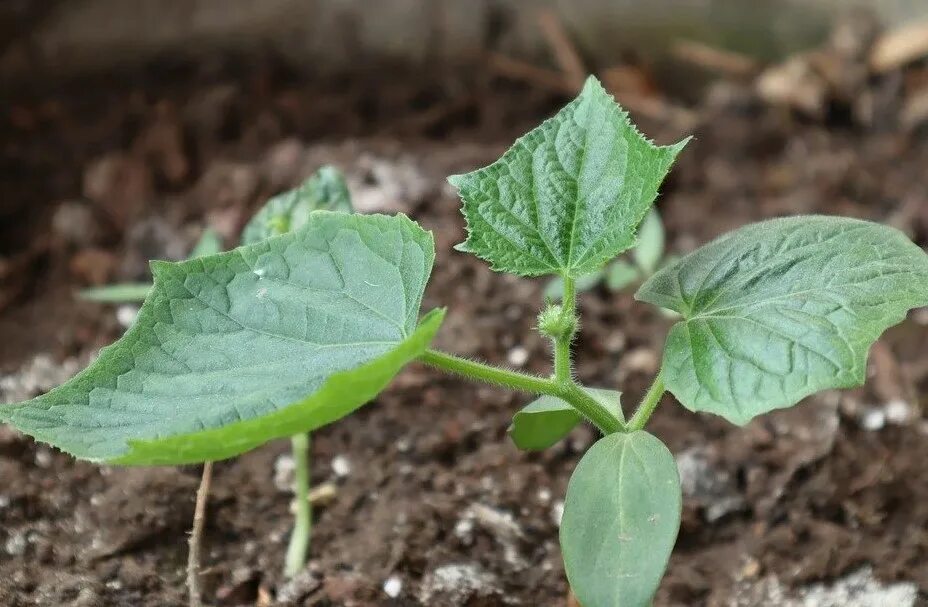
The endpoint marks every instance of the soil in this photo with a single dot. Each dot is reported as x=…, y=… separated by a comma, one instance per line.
x=432, y=502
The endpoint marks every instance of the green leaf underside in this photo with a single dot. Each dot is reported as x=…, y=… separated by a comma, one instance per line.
x=621, y=518
x=547, y=419
x=781, y=309
x=620, y=274
x=650, y=247
x=568, y=196
x=210, y=243
x=326, y=190
x=264, y=341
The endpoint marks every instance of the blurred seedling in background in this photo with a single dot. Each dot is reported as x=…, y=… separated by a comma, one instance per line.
x=309, y=320
x=326, y=190
x=641, y=262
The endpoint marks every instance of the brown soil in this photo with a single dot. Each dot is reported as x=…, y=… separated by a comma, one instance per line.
x=434, y=487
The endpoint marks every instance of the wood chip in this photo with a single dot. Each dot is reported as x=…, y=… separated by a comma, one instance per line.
x=565, y=53
x=715, y=59
x=899, y=47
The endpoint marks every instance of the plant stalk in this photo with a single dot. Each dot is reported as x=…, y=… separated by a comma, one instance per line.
x=196, y=537
x=303, y=518
x=648, y=404
x=522, y=382
x=562, y=360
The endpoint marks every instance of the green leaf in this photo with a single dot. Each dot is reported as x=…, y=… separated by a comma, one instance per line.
x=554, y=290
x=118, y=293
x=620, y=274
x=547, y=419
x=621, y=518
x=265, y=341
x=650, y=248
x=326, y=190
x=210, y=243
x=781, y=309
x=569, y=195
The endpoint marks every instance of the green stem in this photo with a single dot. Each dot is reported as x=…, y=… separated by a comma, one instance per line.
x=303, y=521
x=562, y=359
x=648, y=404
x=522, y=382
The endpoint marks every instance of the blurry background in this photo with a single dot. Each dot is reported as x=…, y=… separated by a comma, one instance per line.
x=127, y=127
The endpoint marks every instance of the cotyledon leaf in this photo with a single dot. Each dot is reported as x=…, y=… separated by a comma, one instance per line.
x=568, y=196
x=621, y=518
x=326, y=190
x=547, y=419
x=235, y=349
x=778, y=310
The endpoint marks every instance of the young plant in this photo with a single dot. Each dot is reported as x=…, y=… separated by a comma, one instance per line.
x=287, y=334
x=128, y=292
x=325, y=190
x=647, y=256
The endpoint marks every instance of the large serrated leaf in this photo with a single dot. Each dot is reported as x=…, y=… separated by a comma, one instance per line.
x=621, y=518
x=568, y=196
x=326, y=190
x=547, y=419
x=234, y=349
x=781, y=309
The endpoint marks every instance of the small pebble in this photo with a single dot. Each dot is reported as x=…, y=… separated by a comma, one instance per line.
x=284, y=469
x=341, y=466
x=518, y=356
x=126, y=315
x=557, y=512
x=16, y=545
x=393, y=586
x=43, y=457
x=873, y=420
x=898, y=412
x=464, y=530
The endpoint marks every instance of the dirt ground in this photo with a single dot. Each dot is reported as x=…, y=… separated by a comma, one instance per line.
x=431, y=502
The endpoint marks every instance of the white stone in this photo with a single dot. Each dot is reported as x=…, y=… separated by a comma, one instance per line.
x=898, y=412
x=873, y=419
x=126, y=315
x=557, y=512
x=518, y=356
x=341, y=466
x=393, y=586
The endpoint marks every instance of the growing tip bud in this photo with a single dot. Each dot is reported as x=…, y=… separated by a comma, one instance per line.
x=556, y=323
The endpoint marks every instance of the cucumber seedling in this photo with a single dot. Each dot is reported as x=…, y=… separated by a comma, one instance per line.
x=325, y=190
x=291, y=332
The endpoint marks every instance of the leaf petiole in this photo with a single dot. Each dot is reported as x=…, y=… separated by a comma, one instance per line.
x=648, y=403
x=523, y=382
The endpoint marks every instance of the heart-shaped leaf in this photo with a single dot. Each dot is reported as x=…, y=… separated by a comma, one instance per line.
x=326, y=190
x=547, y=419
x=781, y=309
x=621, y=518
x=235, y=349
x=568, y=196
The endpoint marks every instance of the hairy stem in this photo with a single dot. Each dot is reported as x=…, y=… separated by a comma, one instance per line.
x=303, y=521
x=522, y=382
x=648, y=404
x=196, y=537
x=562, y=359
